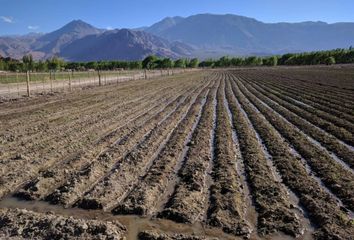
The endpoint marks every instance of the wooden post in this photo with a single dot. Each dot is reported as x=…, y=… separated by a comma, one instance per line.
x=99, y=78
x=18, y=87
x=51, y=82
x=43, y=81
x=8, y=83
x=145, y=74
x=70, y=82
x=28, y=84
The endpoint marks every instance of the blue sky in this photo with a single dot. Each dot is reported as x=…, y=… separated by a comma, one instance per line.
x=23, y=16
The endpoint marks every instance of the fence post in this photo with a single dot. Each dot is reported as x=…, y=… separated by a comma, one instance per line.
x=145, y=75
x=28, y=84
x=17, y=83
x=51, y=81
x=70, y=82
x=99, y=78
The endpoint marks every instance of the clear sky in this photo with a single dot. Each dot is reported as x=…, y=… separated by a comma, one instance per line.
x=23, y=16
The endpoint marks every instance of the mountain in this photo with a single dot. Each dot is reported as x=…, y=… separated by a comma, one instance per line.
x=45, y=45
x=52, y=43
x=17, y=46
x=122, y=44
x=80, y=41
x=202, y=35
x=164, y=24
x=233, y=34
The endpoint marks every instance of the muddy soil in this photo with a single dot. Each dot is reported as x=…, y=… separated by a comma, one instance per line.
x=214, y=154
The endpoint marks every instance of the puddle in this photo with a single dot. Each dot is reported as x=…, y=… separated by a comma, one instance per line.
x=134, y=224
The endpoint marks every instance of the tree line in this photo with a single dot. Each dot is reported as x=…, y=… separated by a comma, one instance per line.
x=337, y=56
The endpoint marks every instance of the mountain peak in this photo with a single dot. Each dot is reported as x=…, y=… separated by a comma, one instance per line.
x=78, y=23
x=77, y=28
x=165, y=24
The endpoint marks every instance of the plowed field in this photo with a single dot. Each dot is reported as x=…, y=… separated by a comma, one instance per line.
x=218, y=154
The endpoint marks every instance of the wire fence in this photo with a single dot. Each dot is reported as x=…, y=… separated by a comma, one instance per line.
x=14, y=85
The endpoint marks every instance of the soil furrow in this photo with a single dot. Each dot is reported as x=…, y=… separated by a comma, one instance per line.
x=108, y=193
x=47, y=132
x=187, y=204
x=144, y=198
x=51, y=178
x=270, y=197
x=307, y=89
x=226, y=209
x=297, y=118
x=311, y=107
x=336, y=109
x=91, y=174
x=17, y=178
x=336, y=178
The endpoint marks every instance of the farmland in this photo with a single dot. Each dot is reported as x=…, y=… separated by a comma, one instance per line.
x=259, y=153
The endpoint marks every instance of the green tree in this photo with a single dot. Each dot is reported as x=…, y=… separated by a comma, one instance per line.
x=92, y=65
x=54, y=63
x=41, y=66
x=284, y=58
x=165, y=63
x=237, y=61
x=193, y=63
x=330, y=61
x=180, y=63
x=253, y=61
x=2, y=65
x=149, y=62
x=135, y=65
x=207, y=63
x=270, y=61
x=224, y=62
x=28, y=62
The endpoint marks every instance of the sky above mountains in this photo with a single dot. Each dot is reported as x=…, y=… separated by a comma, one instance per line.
x=23, y=16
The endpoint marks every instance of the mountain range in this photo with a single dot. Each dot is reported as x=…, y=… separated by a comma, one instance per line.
x=202, y=35
x=237, y=35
